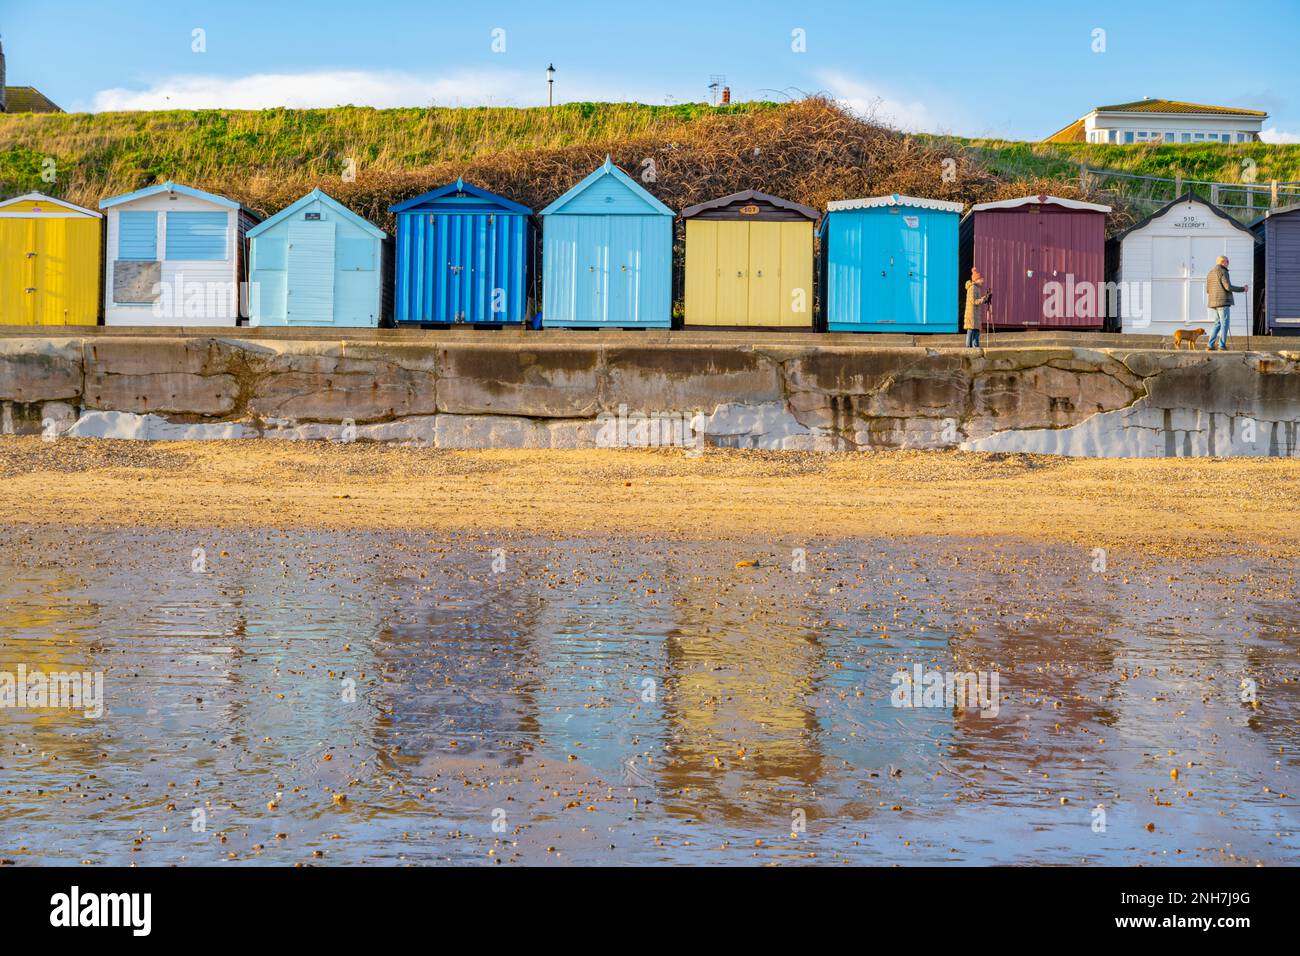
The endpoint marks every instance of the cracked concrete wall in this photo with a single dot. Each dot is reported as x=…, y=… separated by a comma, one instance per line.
x=815, y=396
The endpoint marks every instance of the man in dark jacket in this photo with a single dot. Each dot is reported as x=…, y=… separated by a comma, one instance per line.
x=1219, y=297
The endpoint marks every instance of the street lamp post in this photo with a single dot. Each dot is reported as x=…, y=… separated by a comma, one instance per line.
x=550, y=85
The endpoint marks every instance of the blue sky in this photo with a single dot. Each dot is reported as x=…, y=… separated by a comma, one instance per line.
x=1016, y=69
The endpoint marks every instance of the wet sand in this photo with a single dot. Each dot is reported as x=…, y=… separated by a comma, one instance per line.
x=632, y=700
x=393, y=656
x=1188, y=507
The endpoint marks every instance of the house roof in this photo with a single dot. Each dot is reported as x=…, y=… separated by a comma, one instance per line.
x=28, y=99
x=751, y=195
x=1175, y=106
x=1039, y=201
x=1076, y=132
x=41, y=197
x=460, y=187
x=171, y=187
x=314, y=196
x=607, y=169
x=1185, y=197
x=875, y=202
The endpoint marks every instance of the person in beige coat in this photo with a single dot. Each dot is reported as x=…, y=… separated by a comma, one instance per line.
x=976, y=297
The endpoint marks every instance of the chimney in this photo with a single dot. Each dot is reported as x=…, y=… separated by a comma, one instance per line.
x=726, y=95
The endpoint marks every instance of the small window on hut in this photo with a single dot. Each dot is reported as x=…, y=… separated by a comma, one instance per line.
x=197, y=236
x=137, y=236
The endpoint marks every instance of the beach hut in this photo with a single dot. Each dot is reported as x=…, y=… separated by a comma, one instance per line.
x=889, y=264
x=174, y=257
x=463, y=256
x=749, y=261
x=316, y=262
x=1042, y=257
x=49, y=262
x=607, y=247
x=1159, y=267
x=1277, y=269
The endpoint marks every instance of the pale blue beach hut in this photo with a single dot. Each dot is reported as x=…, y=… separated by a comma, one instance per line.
x=316, y=263
x=607, y=255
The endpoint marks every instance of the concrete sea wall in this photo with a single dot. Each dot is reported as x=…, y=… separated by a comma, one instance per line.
x=459, y=389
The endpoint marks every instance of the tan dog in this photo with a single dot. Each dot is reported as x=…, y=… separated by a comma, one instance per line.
x=1187, y=335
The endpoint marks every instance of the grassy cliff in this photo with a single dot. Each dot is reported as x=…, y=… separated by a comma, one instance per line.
x=810, y=151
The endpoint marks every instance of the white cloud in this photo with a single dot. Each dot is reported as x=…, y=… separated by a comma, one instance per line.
x=325, y=88
x=1275, y=135
x=868, y=100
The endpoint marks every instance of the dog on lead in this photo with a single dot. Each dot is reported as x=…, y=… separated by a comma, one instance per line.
x=1187, y=335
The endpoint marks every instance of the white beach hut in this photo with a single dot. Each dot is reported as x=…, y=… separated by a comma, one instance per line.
x=1160, y=265
x=174, y=257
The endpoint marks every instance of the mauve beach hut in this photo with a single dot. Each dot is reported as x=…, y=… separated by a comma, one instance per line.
x=889, y=264
x=1042, y=257
x=316, y=263
x=464, y=257
x=607, y=255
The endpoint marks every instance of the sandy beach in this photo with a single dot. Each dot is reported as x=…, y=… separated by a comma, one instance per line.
x=1187, y=507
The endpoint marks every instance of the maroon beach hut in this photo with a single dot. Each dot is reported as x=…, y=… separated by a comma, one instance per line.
x=1042, y=257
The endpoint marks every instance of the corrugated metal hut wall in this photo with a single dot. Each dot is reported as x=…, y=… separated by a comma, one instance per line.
x=1281, y=272
x=317, y=267
x=197, y=291
x=749, y=263
x=607, y=260
x=890, y=269
x=53, y=251
x=461, y=258
x=1020, y=250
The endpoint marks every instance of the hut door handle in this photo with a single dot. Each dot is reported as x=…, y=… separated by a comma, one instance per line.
x=760, y=273
x=739, y=274
x=591, y=268
x=31, y=255
x=30, y=288
x=623, y=268
x=882, y=273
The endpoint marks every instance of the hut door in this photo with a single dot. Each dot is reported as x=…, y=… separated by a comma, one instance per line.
x=702, y=272
x=764, y=274
x=49, y=272
x=1170, y=257
x=17, y=271
x=734, y=240
x=909, y=284
x=310, y=283
x=591, y=269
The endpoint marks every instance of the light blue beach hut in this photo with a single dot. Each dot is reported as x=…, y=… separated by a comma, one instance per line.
x=607, y=255
x=889, y=264
x=316, y=262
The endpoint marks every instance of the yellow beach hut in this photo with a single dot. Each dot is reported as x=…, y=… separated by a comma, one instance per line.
x=749, y=262
x=49, y=262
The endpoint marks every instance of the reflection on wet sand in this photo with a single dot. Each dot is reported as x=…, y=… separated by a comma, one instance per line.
x=381, y=697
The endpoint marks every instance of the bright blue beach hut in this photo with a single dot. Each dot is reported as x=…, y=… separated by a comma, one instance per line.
x=889, y=264
x=463, y=257
x=607, y=255
x=316, y=262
